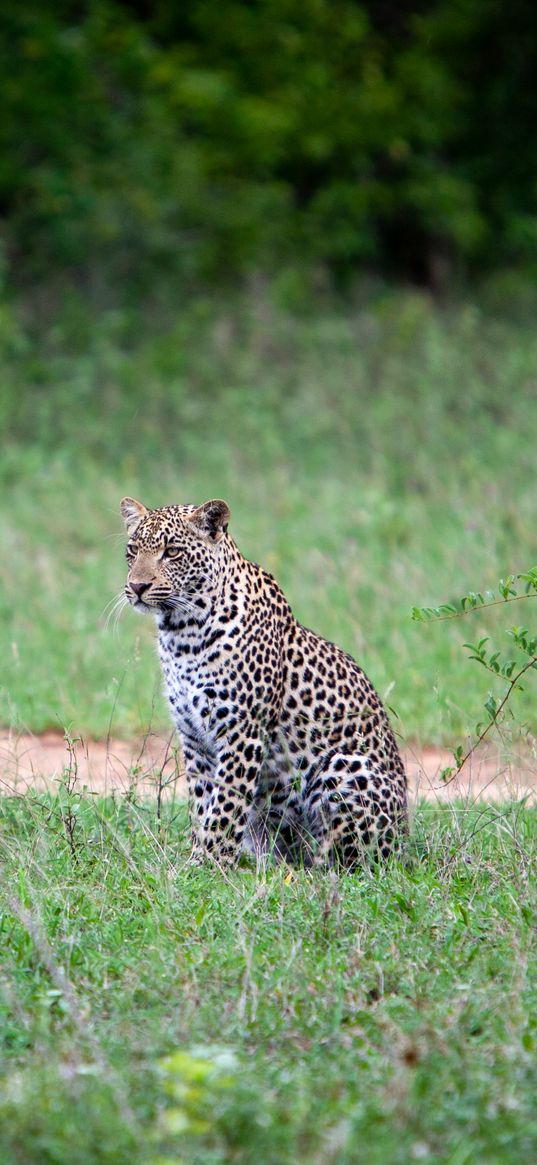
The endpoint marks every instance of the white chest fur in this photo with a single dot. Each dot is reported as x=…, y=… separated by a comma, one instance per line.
x=192, y=686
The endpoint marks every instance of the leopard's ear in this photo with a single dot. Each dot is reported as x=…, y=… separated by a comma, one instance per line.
x=132, y=513
x=210, y=520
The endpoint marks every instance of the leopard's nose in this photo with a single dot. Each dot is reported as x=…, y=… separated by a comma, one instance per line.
x=139, y=588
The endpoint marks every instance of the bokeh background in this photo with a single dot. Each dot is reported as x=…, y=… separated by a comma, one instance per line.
x=283, y=253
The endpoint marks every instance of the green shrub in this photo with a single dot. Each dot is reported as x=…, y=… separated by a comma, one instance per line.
x=201, y=143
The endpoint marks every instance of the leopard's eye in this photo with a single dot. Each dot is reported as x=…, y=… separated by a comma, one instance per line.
x=131, y=551
x=172, y=552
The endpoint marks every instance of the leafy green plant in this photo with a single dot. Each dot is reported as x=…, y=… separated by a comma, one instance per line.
x=509, y=668
x=194, y=1081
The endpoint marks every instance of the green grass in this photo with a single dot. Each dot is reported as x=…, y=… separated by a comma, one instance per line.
x=154, y=1013
x=374, y=459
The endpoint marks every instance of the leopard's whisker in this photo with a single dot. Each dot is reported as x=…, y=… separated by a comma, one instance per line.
x=116, y=606
x=111, y=603
x=119, y=611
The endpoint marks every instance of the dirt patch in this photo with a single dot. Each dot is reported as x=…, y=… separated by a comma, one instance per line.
x=103, y=766
x=38, y=763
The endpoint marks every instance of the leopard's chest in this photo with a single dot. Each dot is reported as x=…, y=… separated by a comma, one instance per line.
x=219, y=680
x=196, y=681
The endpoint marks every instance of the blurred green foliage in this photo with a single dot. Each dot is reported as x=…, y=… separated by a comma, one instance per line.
x=204, y=141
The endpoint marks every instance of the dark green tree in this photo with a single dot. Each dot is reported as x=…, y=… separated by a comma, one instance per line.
x=207, y=140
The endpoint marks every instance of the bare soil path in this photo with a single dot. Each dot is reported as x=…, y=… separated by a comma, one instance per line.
x=37, y=763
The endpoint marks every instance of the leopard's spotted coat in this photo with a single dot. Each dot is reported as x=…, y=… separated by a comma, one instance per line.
x=285, y=741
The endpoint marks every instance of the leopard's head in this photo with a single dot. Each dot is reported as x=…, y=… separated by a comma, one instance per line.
x=172, y=553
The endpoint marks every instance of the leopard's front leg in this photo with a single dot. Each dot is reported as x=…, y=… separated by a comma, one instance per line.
x=220, y=801
x=199, y=776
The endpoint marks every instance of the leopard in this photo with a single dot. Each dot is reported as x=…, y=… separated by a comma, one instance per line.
x=287, y=747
